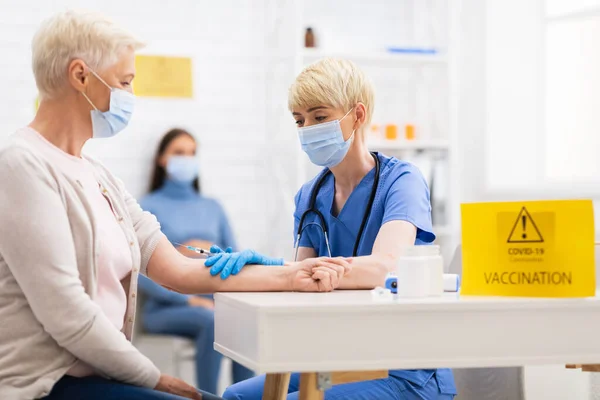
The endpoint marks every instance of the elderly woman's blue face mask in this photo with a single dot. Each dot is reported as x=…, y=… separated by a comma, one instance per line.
x=108, y=123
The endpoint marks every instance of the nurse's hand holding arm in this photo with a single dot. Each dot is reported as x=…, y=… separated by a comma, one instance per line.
x=370, y=271
x=406, y=220
x=173, y=270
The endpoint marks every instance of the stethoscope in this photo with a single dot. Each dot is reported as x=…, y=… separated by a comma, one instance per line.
x=323, y=226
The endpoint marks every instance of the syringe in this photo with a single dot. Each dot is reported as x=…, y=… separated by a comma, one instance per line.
x=198, y=250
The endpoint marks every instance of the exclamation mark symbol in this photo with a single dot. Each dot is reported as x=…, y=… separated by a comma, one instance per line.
x=524, y=220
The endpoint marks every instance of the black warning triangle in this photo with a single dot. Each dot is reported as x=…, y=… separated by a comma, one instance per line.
x=525, y=230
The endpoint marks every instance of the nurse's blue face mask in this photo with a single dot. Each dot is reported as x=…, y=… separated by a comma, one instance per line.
x=107, y=124
x=324, y=143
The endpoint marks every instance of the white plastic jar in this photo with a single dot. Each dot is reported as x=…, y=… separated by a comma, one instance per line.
x=420, y=272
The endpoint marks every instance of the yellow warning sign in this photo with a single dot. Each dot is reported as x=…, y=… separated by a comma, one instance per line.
x=533, y=249
x=525, y=230
x=161, y=76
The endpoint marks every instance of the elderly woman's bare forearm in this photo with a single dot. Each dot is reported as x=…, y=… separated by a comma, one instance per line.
x=186, y=275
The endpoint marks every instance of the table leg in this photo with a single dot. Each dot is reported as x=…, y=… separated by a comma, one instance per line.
x=357, y=376
x=276, y=386
x=308, y=387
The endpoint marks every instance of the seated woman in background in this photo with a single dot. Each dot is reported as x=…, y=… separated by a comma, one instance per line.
x=189, y=218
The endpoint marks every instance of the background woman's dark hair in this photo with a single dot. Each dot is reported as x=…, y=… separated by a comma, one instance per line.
x=159, y=175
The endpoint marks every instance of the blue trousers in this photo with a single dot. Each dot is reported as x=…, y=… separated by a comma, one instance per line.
x=196, y=323
x=391, y=388
x=97, y=388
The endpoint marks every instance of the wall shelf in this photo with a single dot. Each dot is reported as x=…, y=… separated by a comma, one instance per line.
x=379, y=144
x=372, y=57
x=585, y=12
x=416, y=88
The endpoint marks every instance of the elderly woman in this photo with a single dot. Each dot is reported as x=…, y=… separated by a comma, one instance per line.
x=67, y=303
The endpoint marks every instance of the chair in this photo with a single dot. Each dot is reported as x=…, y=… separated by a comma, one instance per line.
x=184, y=350
x=485, y=383
x=181, y=349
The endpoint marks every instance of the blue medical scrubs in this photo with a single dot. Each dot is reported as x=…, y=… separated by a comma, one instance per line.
x=402, y=195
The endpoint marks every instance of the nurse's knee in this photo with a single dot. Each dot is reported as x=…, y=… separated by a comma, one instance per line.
x=250, y=389
x=233, y=393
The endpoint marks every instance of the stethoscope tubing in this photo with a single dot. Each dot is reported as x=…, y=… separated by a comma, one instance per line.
x=323, y=224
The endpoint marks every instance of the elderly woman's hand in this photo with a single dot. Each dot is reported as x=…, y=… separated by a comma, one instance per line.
x=321, y=274
x=175, y=386
x=227, y=263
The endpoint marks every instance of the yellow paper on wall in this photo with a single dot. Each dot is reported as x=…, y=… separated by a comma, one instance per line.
x=530, y=249
x=160, y=76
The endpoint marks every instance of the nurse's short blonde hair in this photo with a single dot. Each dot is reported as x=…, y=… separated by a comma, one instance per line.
x=71, y=35
x=334, y=82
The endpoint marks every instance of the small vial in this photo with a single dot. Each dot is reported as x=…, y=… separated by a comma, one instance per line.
x=391, y=132
x=309, y=38
x=375, y=131
x=409, y=132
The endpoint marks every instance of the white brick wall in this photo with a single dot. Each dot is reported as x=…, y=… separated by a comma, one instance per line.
x=244, y=58
x=226, y=40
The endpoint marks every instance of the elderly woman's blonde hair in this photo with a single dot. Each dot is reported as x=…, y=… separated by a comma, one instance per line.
x=72, y=35
x=334, y=82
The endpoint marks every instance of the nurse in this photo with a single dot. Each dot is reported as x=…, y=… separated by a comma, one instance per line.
x=363, y=205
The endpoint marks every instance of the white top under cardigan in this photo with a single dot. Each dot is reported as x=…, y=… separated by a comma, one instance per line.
x=48, y=277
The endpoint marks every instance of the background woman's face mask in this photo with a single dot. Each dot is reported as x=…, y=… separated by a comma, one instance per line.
x=324, y=143
x=183, y=169
x=108, y=123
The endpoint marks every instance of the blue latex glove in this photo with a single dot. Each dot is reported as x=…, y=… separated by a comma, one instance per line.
x=214, y=249
x=227, y=263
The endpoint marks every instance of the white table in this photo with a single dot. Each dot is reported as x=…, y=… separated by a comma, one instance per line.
x=349, y=331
